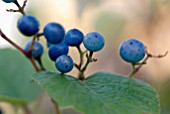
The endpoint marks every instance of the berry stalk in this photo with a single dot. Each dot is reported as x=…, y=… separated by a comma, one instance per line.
x=11, y=42
x=56, y=106
x=135, y=70
x=81, y=71
x=81, y=57
x=26, y=110
x=20, y=8
x=20, y=49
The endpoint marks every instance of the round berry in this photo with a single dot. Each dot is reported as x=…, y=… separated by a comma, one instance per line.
x=54, y=33
x=74, y=37
x=28, y=25
x=8, y=1
x=37, y=49
x=64, y=63
x=132, y=50
x=93, y=41
x=58, y=49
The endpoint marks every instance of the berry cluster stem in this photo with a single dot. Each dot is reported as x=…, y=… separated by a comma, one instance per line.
x=34, y=64
x=33, y=41
x=11, y=42
x=20, y=49
x=26, y=110
x=20, y=8
x=40, y=63
x=81, y=56
x=148, y=55
x=80, y=68
x=56, y=106
x=89, y=59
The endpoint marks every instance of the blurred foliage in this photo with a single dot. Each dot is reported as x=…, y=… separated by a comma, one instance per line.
x=164, y=92
x=110, y=24
x=15, y=85
x=83, y=4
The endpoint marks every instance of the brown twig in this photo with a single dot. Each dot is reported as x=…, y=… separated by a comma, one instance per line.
x=11, y=42
x=26, y=110
x=29, y=56
x=20, y=9
x=34, y=64
x=148, y=55
x=56, y=106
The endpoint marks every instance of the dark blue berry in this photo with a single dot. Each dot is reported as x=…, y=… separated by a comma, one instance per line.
x=37, y=50
x=54, y=33
x=64, y=63
x=94, y=41
x=74, y=37
x=132, y=50
x=58, y=49
x=8, y=1
x=28, y=25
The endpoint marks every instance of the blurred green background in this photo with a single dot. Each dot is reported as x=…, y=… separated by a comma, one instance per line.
x=117, y=20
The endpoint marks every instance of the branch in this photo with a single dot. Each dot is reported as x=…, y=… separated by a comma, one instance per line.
x=11, y=42
x=148, y=55
x=26, y=110
x=20, y=9
x=56, y=107
x=29, y=56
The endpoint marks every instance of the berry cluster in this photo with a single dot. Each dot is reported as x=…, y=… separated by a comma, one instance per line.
x=58, y=42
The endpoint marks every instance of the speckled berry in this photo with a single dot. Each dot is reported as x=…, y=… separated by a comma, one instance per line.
x=54, y=32
x=8, y=1
x=132, y=50
x=64, y=63
x=28, y=25
x=94, y=41
x=37, y=50
x=57, y=50
x=74, y=37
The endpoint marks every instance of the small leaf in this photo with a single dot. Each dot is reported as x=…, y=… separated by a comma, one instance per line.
x=15, y=85
x=101, y=93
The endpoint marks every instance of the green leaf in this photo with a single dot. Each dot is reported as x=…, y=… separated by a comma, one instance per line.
x=100, y=93
x=15, y=85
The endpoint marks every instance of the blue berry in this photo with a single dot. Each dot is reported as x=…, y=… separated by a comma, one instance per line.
x=37, y=50
x=74, y=37
x=28, y=25
x=132, y=50
x=9, y=1
x=58, y=49
x=94, y=41
x=64, y=63
x=54, y=33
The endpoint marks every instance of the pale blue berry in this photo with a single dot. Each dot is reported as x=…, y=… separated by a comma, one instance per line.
x=94, y=41
x=132, y=50
x=64, y=63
